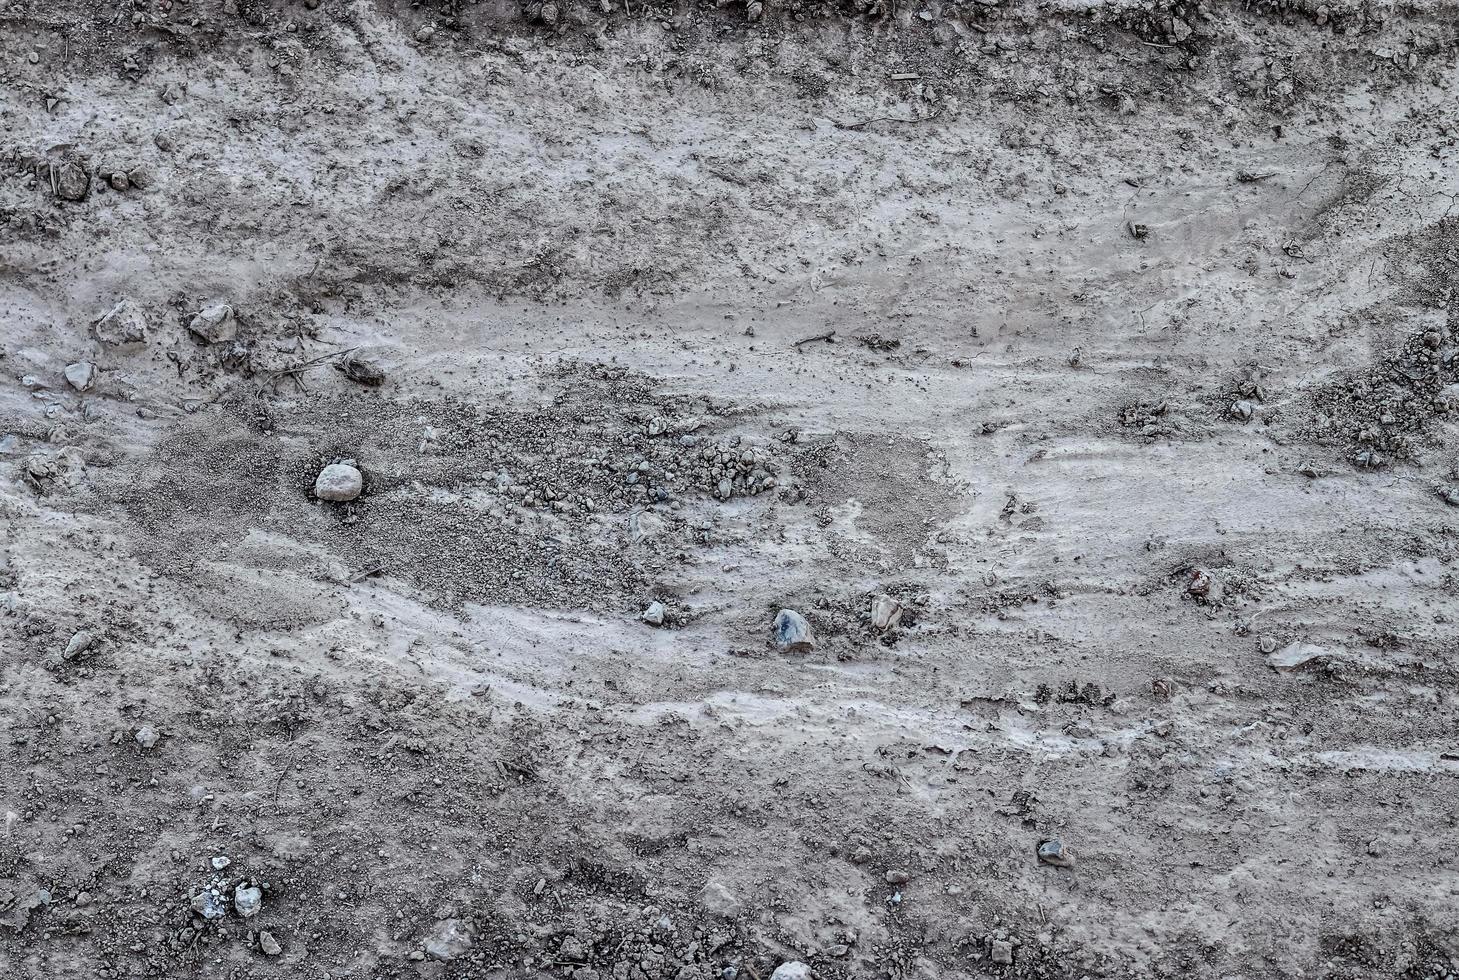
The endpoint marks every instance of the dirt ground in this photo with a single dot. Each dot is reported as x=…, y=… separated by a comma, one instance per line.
x=1107, y=350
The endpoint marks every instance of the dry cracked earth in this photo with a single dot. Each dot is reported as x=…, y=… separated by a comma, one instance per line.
x=1083, y=373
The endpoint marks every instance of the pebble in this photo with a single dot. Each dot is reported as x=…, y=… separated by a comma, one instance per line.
x=73, y=183
x=209, y=904
x=792, y=632
x=654, y=614
x=1243, y=410
x=147, y=737
x=247, y=901
x=268, y=943
x=215, y=324
x=125, y=324
x=80, y=642
x=220, y=862
x=81, y=375
x=898, y=877
x=339, y=482
x=452, y=938
x=1002, y=951
x=716, y=899
x=1200, y=583
x=794, y=970
x=886, y=612
x=1055, y=853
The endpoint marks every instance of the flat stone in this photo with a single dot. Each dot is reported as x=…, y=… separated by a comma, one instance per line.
x=794, y=970
x=268, y=944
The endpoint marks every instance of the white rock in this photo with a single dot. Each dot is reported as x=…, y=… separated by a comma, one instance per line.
x=220, y=862
x=81, y=375
x=147, y=736
x=886, y=612
x=794, y=970
x=451, y=938
x=268, y=944
x=215, y=324
x=247, y=901
x=338, y=481
x=654, y=614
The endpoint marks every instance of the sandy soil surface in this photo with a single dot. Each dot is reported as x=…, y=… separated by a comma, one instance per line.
x=1084, y=374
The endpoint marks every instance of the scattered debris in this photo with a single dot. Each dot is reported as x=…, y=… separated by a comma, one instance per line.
x=363, y=366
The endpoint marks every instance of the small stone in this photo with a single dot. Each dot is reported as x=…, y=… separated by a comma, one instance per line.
x=1201, y=583
x=716, y=899
x=73, y=183
x=119, y=181
x=339, y=482
x=1055, y=853
x=268, y=943
x=654, y=614
x=1001, y=951
x=364, y=367
x=125, y=324
x=81, y=375
x=792, y=632
x=1450, y=495
x=1243, y=410
x=658, y=425
x=886, y=613
x=898, y=877
x=81, y=641
x=208, y=903
x=861, y=855
x=215, y=324
x=147, y=737
x=794, y=970
x=452, y=938
x=220, y=862
x=1266, y=644
x=247, y=901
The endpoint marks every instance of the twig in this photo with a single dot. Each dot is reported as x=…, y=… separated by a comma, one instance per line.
x=294, y=370
x=361, y=576
x=820, y=336
x=867, y=122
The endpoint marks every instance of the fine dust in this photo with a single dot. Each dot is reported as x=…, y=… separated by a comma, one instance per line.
x=862, y=490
